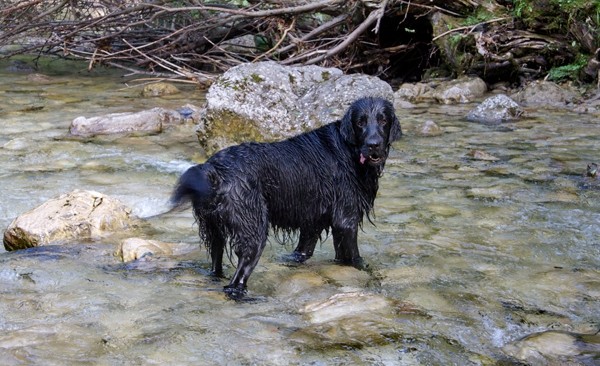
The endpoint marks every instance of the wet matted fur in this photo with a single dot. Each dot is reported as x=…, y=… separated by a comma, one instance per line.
x=322, y=180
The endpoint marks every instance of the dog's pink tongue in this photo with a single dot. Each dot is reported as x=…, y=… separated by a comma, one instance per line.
x=362, y=159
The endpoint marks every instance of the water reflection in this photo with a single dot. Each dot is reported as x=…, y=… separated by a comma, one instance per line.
x=471, y=262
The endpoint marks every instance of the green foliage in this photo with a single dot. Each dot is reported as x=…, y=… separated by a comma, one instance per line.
x=479, y=16
x=568, y=72
x=525, y=8
x=521, y=7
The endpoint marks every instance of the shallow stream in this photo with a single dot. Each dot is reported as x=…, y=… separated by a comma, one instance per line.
x=471, y=262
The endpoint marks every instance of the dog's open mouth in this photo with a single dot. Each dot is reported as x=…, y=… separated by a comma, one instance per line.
x=373, y=159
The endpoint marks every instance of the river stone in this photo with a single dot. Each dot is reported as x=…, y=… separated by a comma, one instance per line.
x=496, y=109
x=77, y=215
x=535, y=348
x=545, y=93
x=144, y=122
x=413, y=92
x=462, y=90
x=266, y=101
x=430, y=128
x=481, y=155
x=159, y=89
x=135, y=248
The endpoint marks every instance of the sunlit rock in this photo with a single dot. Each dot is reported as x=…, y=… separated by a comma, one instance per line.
x=150, y=121
x=496, y=109
x=77, y=215
x=266, y=101
x=159, y=89
x=134, y=248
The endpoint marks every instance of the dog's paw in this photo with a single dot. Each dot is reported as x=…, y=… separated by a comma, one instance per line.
x=235, y=292
x=295, y=257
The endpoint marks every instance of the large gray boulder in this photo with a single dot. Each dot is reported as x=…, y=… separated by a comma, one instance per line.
x=266, y=101
x=73, y=216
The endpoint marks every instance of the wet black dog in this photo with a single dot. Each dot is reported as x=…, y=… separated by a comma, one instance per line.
x=322, y=180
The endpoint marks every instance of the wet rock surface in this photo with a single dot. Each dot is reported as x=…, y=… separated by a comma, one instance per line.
x=78, y=215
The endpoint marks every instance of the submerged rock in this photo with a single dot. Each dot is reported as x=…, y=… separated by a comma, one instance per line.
x=73, y=216
x=266, y=101
x=135, y=248
x=347, y=304
x=354, y=319
x=496, y=109
x=553, y=346
x=481, y=155
x=159, y=89
x=430, y=128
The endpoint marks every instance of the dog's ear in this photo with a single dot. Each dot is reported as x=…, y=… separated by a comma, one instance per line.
x=395, y=129
x=347, y=127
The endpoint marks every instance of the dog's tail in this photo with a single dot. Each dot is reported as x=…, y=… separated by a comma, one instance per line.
x=194, y=186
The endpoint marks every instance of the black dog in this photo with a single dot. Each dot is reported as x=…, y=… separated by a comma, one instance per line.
x=326, y=178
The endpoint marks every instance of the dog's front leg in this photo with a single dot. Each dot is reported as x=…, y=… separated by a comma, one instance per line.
x=346, y=246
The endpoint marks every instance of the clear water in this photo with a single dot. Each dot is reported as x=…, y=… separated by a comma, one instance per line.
x=467, y=257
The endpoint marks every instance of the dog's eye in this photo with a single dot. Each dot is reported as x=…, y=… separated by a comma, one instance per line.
x=361, y=122
x=382, y=121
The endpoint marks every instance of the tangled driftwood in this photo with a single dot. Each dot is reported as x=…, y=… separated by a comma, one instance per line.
x=195, y=39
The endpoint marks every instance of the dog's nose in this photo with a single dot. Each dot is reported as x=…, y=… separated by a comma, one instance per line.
x=373, y=141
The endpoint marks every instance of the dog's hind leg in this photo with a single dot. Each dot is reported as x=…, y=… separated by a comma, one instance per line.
x=215, y=240
x=249, y=224
x=246, y=264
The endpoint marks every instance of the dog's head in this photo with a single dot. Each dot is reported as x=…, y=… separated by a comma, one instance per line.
x=370, y=125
